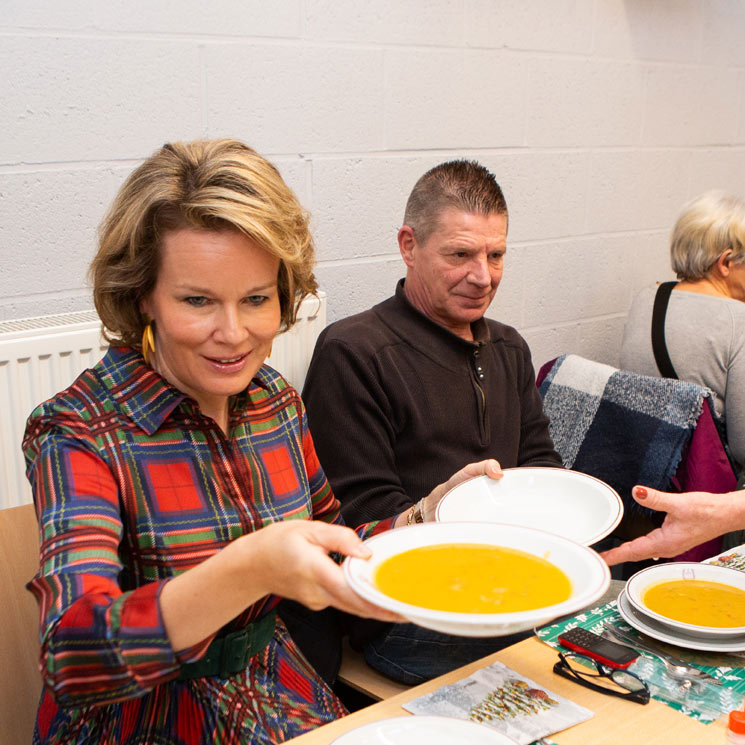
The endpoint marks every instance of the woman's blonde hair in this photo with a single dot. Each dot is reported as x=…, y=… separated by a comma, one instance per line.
x=708, y=226
x=204, y=185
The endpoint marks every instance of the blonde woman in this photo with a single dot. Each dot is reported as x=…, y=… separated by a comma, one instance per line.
x=176, y=483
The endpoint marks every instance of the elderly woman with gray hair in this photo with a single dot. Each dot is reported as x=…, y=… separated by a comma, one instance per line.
x=701, y=336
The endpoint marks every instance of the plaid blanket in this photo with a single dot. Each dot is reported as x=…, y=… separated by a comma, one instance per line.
x=621, y=427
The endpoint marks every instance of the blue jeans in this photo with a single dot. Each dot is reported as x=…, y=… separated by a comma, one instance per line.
x=411, y=654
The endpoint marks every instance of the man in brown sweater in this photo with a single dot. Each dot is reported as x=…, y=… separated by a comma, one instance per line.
x=401, y=396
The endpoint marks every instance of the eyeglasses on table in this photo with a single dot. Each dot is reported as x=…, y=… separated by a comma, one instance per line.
x=596, y=676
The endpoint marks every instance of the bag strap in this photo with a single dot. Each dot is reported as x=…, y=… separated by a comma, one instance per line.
x=662, y=358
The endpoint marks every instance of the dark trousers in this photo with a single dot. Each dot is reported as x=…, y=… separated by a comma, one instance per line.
x=411, y=654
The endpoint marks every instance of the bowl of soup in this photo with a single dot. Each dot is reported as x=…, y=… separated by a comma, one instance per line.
x=477, y=579
x=703, y=599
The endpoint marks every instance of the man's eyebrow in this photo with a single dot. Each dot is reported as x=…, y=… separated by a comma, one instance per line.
x=457, y=245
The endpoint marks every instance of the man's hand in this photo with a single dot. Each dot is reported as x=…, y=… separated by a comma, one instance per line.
x=489, y=468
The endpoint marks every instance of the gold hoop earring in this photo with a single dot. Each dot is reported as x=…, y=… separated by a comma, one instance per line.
x=148, y=342
x=269, y=353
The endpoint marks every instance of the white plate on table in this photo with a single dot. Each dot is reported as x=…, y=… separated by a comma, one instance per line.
x=662, y=633
x=588, y=574
x=431, y=730
x=640, y=582
x=572, y=504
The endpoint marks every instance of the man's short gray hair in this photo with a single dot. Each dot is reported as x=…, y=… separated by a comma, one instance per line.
x=463, y=185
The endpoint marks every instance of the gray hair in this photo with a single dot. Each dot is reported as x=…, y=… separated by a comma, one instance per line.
x=464, y=185
x=708, y=226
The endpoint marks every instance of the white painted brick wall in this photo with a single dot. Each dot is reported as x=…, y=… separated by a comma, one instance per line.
x=575, y=91
x=692, y=105
x=73, y=98
x=453, y=99
x=409, y=23
x=599, y=117
x=553, y=26
x=546, y=192
x=296, y=97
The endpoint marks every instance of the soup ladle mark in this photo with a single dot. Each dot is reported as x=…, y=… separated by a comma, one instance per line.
x=676, y=668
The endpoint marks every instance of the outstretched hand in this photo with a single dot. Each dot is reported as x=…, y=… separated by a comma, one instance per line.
x=289, y=558
x=692, y=518
x=296, y=564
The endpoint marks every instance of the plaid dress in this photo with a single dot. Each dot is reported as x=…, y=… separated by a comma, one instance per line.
x=133, y=485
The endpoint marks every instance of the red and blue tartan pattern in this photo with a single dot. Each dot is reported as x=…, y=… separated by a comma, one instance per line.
x=133, y=486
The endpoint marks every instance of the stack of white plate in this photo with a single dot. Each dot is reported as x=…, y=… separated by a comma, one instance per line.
x=552, y=513
x=635, y=612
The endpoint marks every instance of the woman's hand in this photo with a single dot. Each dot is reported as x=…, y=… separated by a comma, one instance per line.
x=288, y=558
x=293, y=562
x=429, y=504
x=692, y=518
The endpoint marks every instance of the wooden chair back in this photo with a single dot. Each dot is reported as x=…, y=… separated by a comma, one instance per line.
x=357, y=674
x=20, y=680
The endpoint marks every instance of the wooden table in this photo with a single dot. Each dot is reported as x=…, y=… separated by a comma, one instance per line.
x=616, y=722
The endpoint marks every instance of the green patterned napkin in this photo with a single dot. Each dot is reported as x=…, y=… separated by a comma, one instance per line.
x=704, y=702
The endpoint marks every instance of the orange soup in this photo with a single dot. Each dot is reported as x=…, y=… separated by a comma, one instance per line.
x=698, y=602
x=472, y=578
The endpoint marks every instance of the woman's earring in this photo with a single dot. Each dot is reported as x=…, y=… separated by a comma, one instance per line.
x=269, y=353
x=148, y=342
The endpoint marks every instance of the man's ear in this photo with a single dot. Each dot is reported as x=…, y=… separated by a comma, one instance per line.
x=406, y=244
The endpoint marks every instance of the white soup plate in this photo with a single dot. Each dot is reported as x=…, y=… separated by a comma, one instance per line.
x=663, y=633
x=640, y=582
x=588, y=574
x=432, y=730
x=572, y=504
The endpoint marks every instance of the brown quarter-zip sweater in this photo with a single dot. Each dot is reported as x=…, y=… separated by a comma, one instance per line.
x=397, y=403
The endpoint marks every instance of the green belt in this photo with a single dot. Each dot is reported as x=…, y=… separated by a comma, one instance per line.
x=229, y=654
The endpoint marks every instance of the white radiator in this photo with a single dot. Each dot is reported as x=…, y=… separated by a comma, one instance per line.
x=41, y=356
